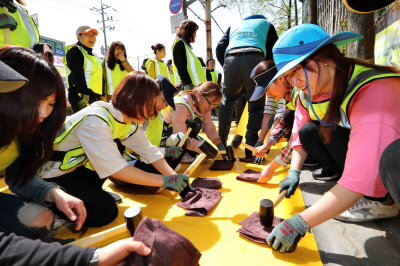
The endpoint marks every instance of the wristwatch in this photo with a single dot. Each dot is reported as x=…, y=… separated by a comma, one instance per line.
x=94, y=261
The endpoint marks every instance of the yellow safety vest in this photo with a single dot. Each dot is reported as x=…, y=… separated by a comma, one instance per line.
x=361, y=75
x=194, y=68
x=113, y=77
x=294, y=94
x=160, y=68
x=8, y=155
x=154, y=129
x=92, y=68
x=76, y=156
x=26, y=34
x=214, y=74
x=172, y=76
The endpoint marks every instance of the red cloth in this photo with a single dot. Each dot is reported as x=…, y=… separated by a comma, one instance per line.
x=222, y=165
x=167, y=246
x=253, y=229
x=249, y=175
x=210, y=183
x=200, y=202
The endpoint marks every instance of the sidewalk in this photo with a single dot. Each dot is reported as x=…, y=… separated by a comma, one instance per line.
x=374, y=243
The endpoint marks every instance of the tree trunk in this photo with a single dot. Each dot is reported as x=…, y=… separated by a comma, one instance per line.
x=295, y=13
x=362, y=24
x=289, y=13
x=313, y=12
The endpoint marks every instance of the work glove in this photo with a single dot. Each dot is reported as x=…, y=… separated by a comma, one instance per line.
x=175, y=139
x=84, y=101
x=287, y=234
x=290, y=182
x=173, y=152
x=221, y=147
x=175, y=182
x=258, y=160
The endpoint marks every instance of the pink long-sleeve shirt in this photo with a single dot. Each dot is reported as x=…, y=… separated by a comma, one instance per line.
x=178, y=118
x=374, y=115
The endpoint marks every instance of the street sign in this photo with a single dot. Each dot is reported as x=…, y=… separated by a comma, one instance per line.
x=176, y=21
x=58, y=46
x=175, y=6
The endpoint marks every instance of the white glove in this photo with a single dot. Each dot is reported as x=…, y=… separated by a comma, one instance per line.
x=174, y=139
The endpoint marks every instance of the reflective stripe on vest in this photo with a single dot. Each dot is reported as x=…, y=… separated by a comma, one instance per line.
x=180, y=100
x=361, y=76
x=114, y=77
x=194, y=68
x=92, y=67
x=26, y=34
x=154, y=129
x=76, y=156
x=214, y=74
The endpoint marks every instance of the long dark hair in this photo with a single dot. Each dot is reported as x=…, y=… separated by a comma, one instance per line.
x=110, y=57
x=330, y=53
x=19, y=116
x=186, y=30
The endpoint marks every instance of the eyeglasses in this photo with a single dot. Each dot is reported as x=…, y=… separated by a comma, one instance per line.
x=90, y=35
x=210, y=104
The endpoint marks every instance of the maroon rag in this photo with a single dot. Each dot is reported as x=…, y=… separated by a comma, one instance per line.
x=253, y=229
x=210, y=183
x=222, y=165
x=249, y=175
x=200, y=202
x=167, y=246
x=247, y=160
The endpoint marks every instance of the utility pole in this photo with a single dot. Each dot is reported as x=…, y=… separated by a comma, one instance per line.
x=101, y=11
x=185, y=5
x=208, y=28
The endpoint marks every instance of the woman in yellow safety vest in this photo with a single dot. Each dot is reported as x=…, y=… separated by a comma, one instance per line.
x=155, y=66
x=30, y=118
x=187, y=67
x=171, y=71
x=84, y=72
x=115, y=67
x=85, y=153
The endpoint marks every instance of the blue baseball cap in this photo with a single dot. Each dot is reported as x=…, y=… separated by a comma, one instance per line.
x=168, y=89
x=255, y=17
x=301, y=41
x=262, y=79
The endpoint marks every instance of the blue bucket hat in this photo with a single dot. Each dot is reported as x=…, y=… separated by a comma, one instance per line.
x=262, y=79
x=303, y=40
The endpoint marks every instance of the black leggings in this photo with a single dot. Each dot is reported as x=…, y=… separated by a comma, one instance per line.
x=86, y=185
x=331, y=155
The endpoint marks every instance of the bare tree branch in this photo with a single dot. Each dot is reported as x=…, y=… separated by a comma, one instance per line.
x=196, y=15
x=217, y=8
x=217, y=24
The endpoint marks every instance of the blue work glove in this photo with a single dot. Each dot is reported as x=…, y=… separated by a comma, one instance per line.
x=258, y=160
x=173, y=152
x=222, y=147
x=175, y=182
x=290, y=182
x=287, y=234
x=84, y=101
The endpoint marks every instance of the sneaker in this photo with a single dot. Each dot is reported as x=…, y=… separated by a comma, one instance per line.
x=187, y=158
x=310, y=162
x=367, y=210
x=323, y=174
x=178, y=167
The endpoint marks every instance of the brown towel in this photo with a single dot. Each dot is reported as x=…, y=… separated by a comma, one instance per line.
x=200, y=202
x=222, y=165
x=253, y=229
x=210, y=183
x=249, y=175
x=247, y=160
x=167, y=246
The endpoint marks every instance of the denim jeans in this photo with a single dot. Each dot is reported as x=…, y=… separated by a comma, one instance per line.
x=12, y=219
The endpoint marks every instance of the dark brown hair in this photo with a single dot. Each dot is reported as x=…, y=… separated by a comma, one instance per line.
x=262, y=67
x=207, y=89
x=186, y=30
x=157, y=46
x=110, y=57
x=19, y=116
x=330, y=53
x=136, y=93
